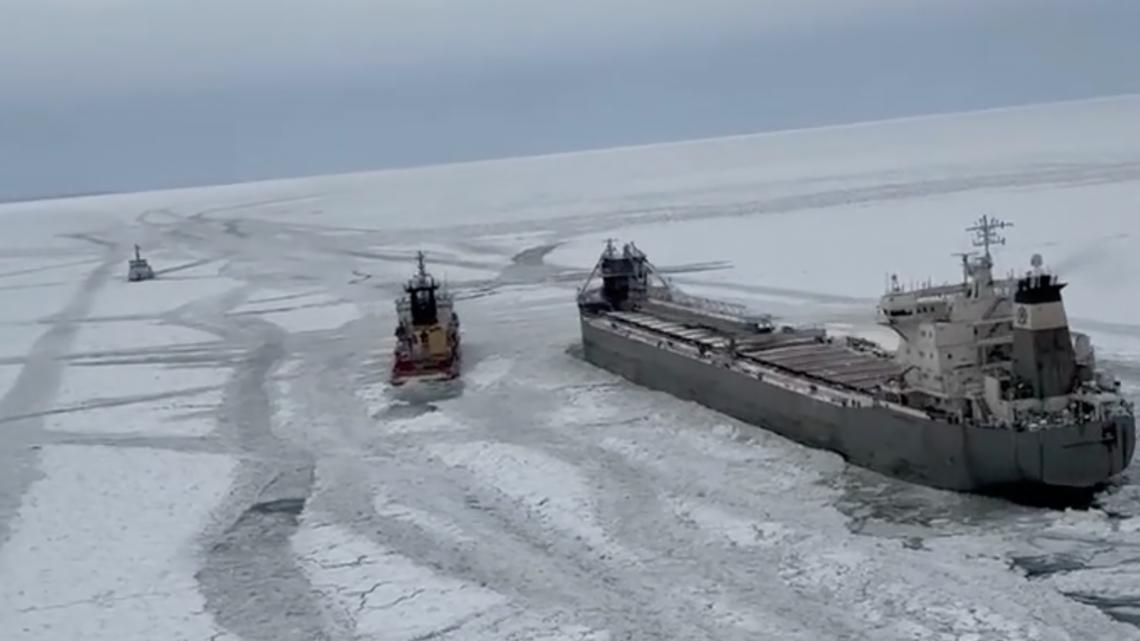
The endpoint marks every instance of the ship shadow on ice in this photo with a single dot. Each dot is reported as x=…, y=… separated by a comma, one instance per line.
x=1052, y=498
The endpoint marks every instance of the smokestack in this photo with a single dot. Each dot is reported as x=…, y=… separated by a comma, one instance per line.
x=1044, y=363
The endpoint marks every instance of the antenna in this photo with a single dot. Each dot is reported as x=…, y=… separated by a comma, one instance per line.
x=985, y=234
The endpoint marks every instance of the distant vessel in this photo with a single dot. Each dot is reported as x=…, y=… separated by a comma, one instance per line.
x=138, y=268
x=988, y=391
x=427, y=332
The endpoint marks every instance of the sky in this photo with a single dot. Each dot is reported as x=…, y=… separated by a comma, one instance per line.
x=125, y=95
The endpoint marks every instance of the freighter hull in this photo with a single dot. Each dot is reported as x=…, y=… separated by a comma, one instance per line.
x=877, y=437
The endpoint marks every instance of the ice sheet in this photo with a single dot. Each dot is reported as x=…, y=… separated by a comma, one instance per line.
x=310, y=319
x=179, y=415
x=581, y=506
x=103, y=546
x=139, y=338
x=155, y=297
x=381, y=595
x=547, y=487
x=84, y=384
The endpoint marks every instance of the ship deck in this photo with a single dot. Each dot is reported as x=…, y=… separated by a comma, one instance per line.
x=795, y=352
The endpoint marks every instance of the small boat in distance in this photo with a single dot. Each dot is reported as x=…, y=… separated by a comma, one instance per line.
x=138, y=268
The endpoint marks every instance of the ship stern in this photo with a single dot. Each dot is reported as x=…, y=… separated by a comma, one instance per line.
x=1084, y=456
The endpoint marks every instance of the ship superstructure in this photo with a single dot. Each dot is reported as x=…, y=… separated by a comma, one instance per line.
x=138, y=268
x=997, y=352
x=427, y=331
x=989, y=390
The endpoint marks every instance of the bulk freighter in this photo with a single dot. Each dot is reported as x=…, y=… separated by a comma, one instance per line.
x=987, y=391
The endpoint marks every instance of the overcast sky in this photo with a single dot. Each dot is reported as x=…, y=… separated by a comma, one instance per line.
x=108, y=95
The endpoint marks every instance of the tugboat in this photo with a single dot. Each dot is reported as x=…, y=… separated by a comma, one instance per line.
x=138, y=268
x=988, y=391
x=427, y=333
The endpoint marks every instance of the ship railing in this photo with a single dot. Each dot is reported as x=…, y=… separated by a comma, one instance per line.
x=926, y=290
x=810, y=378
x=719, y=307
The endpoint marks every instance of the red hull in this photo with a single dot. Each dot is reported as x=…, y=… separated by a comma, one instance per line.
x=405, y=371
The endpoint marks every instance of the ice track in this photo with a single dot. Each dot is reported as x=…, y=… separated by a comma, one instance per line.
x=215, y=455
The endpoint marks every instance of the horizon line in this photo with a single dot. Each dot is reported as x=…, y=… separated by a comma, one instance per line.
x=934, y=115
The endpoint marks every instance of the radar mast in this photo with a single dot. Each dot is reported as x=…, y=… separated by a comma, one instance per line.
x=986, y=235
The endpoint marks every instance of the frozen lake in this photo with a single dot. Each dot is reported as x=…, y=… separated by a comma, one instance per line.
x=215, y=455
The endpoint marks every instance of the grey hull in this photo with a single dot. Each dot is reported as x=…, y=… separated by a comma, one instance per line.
x=930, y=452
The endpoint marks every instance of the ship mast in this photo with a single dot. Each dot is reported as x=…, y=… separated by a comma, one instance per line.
x=422, y=279
x=985, y=235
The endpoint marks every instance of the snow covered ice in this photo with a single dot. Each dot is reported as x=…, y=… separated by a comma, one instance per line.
x=215, y=453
